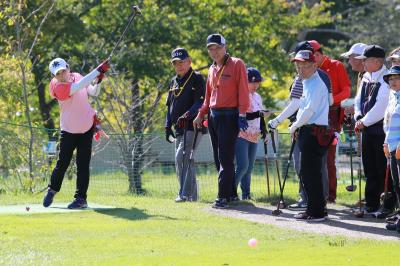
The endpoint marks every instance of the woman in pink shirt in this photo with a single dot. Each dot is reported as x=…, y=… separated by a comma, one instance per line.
x=247, y=141
x=77, y=126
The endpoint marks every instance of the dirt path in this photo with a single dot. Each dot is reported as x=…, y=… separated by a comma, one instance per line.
x=341, y=221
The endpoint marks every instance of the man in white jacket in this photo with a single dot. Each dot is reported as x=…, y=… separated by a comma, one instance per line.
x=369, y=109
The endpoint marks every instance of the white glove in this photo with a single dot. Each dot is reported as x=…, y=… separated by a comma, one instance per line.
x=292, y=128
x=273, y=124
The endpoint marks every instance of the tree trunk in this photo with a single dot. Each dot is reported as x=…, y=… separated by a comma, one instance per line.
x=135, y=142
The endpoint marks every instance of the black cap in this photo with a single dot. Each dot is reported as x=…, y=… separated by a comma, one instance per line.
x=372, y=51
x=395, y=70
x=254, y=75
x=215, y=39
x=303, y=46
x=179, y=54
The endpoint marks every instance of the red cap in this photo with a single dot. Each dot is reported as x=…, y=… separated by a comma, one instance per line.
x=304, y=56
x=316, y=46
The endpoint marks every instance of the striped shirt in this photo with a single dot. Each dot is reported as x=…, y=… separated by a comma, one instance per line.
x=391, y=123
x=297, y=88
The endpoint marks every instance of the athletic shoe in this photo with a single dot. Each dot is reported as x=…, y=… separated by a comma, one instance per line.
x=391, y=226
x=393, y=217
x=78, y=203
x=220, y=203
x=181, y=199
x=298, y=206
x=303, y=216
x=234, y=199
x=246, y=198
x=383, y=213
x=48, y=199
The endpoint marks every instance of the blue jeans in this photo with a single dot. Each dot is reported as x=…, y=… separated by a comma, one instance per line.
x=245, y=157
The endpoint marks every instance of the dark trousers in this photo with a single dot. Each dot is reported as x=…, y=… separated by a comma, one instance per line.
x=83, y=145
x=394, y=185
x=374, y=162
x=310, y=171
x=223, y=129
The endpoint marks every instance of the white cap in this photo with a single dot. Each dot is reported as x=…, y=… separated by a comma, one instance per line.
x=356, y=49
x=56, y=65
x=395, y=56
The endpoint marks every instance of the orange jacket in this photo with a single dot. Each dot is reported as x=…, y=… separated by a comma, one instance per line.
x=227, y=87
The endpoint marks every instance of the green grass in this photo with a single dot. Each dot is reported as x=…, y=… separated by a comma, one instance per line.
x=155, y=231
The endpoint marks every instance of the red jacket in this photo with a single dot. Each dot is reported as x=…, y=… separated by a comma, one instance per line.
x=227, y=87
x=340, y=81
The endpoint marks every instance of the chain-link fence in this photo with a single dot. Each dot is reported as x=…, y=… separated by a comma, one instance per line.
x=145, y=162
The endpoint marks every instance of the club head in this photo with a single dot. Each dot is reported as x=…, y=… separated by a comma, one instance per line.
x=359, y=214
x=136, y=10
x=351, y=188
x=282, y=205
x=276, y=212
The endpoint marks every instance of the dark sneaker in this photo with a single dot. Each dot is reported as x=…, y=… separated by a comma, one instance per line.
x=383, y=213
x=303, y=216
x=220, y=203
x=298, y=206
x=48, y=199
x=181, y=199
x=391, y=226
x=246, y=198
x=393, y=217
x=235, y=199
x=78, y=203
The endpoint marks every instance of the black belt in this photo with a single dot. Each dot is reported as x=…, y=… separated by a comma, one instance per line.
x=315, y=125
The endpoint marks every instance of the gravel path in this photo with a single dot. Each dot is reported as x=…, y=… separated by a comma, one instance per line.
x=341, y=221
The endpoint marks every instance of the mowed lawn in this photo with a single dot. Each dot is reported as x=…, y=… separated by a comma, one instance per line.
x=157, y=231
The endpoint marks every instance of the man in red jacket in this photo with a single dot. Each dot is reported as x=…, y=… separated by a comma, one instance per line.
x=340, y=84
x=226, y=103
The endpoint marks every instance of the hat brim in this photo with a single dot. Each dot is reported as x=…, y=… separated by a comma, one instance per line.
x=395, y=57
x=58, y=69
x=346, y=54
x=387, y=76
x=178, y=59
x=361, y=57
x=211, y=43
x=301, y=60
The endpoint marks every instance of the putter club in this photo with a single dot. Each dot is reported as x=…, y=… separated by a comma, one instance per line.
x=191, y=159
x=135, y=11
x=352, y=187
x=266, y=166
x=287, y=171
x=280, y=203
x=360, y=212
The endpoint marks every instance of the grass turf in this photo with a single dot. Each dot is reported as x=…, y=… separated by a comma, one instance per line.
x=155, y=231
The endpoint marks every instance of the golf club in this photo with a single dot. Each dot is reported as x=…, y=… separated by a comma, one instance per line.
x=266, y=166
x=135, y=11
x=280, y=204
x=352, y=187
x=360, y=212
x=190, y=182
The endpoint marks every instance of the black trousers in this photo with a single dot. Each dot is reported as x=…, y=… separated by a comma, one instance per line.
x=223, y=128
x=394, y=185
x=310, y=171
x=83, y=145
x=374, y=162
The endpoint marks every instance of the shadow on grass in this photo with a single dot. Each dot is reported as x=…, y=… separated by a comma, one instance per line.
x=131, y=214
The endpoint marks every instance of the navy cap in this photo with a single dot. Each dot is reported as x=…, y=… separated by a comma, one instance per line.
x=395, y=70
x=303, y=46
x=372, y=51
x=254, y=75
x=215, y=39
x=179, y=54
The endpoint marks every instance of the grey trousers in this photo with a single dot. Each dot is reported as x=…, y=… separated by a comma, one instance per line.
x=187, y=179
